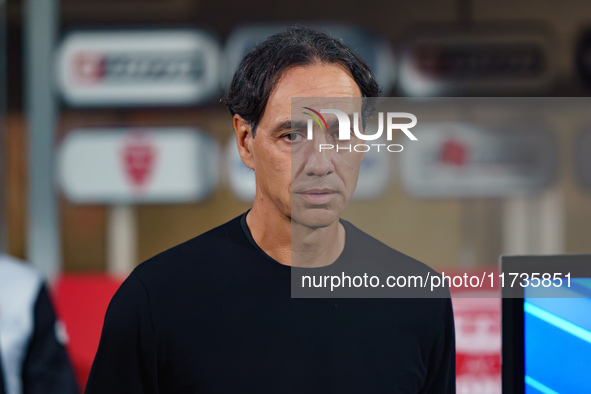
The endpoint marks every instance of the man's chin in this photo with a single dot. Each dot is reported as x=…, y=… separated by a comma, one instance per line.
x=317, y=217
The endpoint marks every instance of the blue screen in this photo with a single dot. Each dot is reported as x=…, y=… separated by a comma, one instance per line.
x=558, y=340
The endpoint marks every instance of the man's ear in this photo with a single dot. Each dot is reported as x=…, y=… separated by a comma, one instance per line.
x=244, y=140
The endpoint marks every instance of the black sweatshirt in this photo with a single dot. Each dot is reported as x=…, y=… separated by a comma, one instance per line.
x=215, y=315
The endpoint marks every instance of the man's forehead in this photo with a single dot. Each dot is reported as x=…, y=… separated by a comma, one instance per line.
x=306, y=107
x=318, y=86
x=314, y=80
x=345, y=104
x=317, y=80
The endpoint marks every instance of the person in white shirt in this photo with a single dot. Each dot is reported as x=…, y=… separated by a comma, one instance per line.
x=33, y=357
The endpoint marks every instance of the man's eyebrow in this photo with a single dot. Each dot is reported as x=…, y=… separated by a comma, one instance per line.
x=289, y=125
x=332, y=124
x=302, y=125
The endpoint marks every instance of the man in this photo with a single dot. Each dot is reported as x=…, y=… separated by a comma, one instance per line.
x=33, y=359
x=215, y=314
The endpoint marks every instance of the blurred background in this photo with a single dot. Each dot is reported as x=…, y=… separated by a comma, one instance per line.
x=114, y=145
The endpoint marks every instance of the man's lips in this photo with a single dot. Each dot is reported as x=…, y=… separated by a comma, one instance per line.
x=317, y=196
x=316, y=191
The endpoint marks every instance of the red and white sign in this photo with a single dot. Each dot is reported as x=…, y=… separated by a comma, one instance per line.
x=138, y=68
x=118, y=166
x=139, y=157
x=455, y=160
x=478, y=344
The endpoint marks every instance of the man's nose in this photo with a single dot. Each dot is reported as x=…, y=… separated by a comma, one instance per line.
x=318, y=162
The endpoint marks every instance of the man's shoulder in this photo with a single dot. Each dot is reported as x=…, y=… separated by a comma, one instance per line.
x=376, y=252
x=412, y=278
x=194, y=254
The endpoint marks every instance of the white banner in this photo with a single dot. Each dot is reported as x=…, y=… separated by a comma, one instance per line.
x=141, y=165
x=476, y=62
x=138, y=68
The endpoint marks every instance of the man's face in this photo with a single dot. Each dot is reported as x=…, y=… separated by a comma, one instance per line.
x=293, y=177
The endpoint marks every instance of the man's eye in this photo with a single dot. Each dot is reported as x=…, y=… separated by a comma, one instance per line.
x=335, y=135
x=292, y=137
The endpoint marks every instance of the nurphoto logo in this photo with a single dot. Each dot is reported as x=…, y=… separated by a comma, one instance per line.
x=344, y=133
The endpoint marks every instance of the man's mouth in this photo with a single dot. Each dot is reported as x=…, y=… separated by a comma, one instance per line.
x=318, y=196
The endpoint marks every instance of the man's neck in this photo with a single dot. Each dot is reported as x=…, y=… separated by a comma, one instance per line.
x=291, y=243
